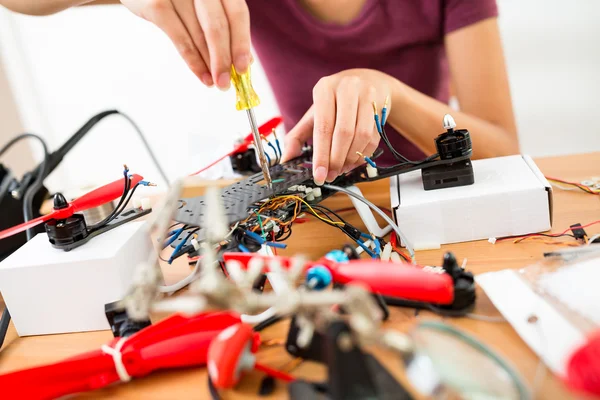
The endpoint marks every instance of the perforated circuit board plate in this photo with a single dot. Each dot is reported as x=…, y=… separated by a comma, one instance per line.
x=237, y=198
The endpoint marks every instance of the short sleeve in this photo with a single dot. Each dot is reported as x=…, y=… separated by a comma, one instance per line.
x=461, y=13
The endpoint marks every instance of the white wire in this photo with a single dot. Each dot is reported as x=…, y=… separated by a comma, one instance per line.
x=170, y=289
x=258, y=318
x=591, y=240
x=383, y=215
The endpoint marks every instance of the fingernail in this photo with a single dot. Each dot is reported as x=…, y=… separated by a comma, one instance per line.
x=319, y=175
x=332, y=175
x=242, y=62
x=207, y=79
x=223, y=81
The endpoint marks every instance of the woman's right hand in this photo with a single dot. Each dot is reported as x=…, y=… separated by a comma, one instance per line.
x=210, y=35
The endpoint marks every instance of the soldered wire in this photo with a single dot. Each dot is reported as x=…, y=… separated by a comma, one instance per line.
x=557, y=182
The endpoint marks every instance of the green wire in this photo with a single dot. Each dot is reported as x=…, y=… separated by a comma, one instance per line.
x=262, y=228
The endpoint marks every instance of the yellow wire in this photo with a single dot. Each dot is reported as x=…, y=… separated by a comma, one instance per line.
x=313, y=210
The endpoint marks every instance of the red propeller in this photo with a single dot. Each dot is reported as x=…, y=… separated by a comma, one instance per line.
x=95, y=198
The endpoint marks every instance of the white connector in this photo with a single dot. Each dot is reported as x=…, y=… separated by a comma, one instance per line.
x=146, y=204
x=309, y=194
x=386, y=252
x=371, y=171
x=317, y=192
x=137, y=202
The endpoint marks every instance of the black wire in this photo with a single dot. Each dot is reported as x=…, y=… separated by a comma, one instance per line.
x=125, y=203
x=126, y=186
x=30, y=193
x=403, y=160
x=214, y=393
x=287, y=234
x=335, y=214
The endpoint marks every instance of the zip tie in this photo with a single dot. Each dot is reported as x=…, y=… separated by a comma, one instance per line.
x=117, y=356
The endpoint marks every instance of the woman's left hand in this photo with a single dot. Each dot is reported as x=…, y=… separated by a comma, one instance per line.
x=340, y=122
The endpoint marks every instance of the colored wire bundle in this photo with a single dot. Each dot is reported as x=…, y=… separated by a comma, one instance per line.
x=383, y=215
x=572, y=185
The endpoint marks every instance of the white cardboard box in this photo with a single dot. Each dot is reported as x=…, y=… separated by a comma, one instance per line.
x=510, y=196
x=50, y=291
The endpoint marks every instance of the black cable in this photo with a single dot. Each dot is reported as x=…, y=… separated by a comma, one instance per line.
x=124, y=206
x=30, y=193
x=403, y=160
x=214, y=393
x=57, y=156
x=126, y=186
x=287, y=234
x=267, y=322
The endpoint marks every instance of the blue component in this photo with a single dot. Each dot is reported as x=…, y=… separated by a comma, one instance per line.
x=268, y=158
x=277, y=245
x=256, y=237
x=318, y=277
x=377, y=124
x=365, y=248
x=243, y=248
x=173, y=237
x=371, y=162
x=274, y=151
x=337, y=256
x=377, y=248
x=383, y=116
x=278, y=147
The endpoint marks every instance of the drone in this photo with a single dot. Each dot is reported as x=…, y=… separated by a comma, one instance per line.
x=252, y=207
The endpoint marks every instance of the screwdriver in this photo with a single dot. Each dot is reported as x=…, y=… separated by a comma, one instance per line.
x=247, y=100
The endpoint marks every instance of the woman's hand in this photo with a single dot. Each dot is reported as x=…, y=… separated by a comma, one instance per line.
x=340, y=122
x=210, y=35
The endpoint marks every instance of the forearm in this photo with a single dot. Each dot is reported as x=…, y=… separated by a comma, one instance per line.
x=41, y=7
x=419, y=118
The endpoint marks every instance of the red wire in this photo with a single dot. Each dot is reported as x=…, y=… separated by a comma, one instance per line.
x=274, y=248
x=215, y=162
x=550, y=234
x=275, y=373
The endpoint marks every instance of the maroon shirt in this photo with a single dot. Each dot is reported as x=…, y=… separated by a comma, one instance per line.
x=403, y=38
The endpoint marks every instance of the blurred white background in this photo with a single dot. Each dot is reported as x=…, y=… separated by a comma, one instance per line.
x=64, y=68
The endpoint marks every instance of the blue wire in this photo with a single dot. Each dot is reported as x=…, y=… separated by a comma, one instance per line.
x=383, y=116
x=277, y=245
x=274, y=151
x=243, y=248
x=278, y=147
x=377, y=248
x=370, y=162
x=378, y=124
x=173, y=237
x=365, y=248
x=256, y=237
x=268, y=158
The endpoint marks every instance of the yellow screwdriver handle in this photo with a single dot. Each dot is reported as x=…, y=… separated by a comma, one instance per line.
x=246, y=96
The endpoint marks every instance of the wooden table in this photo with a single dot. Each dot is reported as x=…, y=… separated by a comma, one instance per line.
x=315, y=239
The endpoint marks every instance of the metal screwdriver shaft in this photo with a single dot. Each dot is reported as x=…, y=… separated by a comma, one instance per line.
x=259, y=147
x=247, y=100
